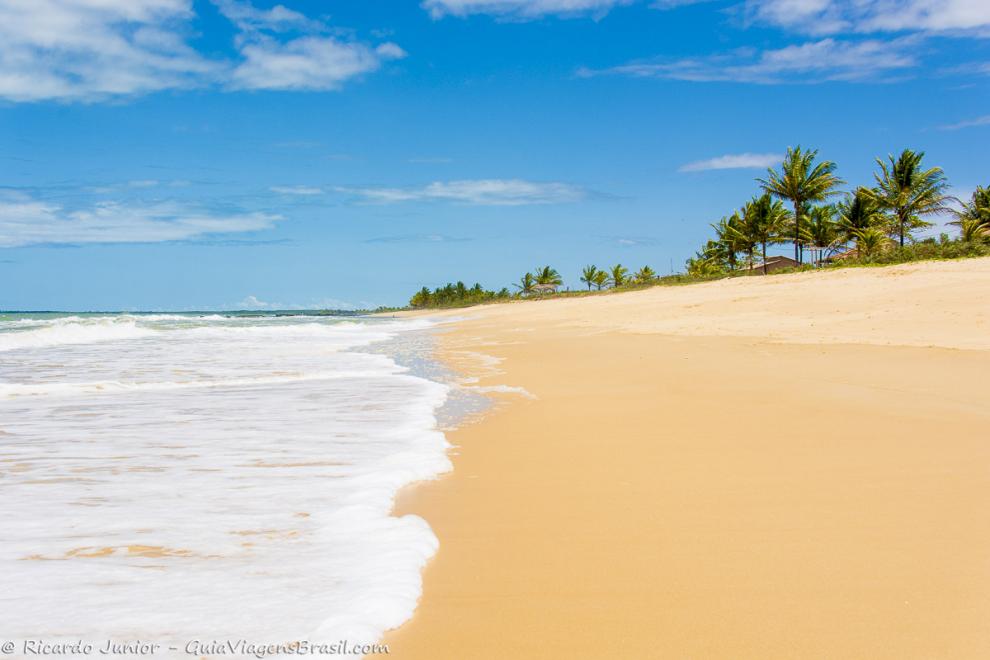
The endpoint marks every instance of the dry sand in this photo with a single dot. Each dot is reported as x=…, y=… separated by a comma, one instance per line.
x=785, y=467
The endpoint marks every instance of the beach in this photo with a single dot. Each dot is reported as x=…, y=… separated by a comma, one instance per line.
x=794, y=466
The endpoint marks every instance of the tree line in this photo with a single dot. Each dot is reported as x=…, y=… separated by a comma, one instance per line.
x=800, y=203
x=794, y=205
x=456, y=295
x=617, y=275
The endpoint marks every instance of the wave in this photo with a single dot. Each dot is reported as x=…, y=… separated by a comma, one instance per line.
x=28, y=333
x=72, y=330
x=242, y=461
x=15, y=390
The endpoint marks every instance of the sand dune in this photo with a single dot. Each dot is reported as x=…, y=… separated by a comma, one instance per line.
x=785, y=467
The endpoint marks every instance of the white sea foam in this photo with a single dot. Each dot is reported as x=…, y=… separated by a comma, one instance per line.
x=178, y=478
x=498, y=389
x=70, y=330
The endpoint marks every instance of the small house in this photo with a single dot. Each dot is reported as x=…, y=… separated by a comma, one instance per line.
x=773, y=264
x=544, y=289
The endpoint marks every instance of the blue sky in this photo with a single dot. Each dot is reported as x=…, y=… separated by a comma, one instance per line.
x=172, y=154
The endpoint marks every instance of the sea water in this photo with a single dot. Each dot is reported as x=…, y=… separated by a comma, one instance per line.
x=179, y=478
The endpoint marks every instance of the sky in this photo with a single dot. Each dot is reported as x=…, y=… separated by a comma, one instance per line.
x=224, y=154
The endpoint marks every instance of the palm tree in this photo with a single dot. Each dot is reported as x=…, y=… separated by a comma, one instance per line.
x=601, y=279
x=764, y=221
x=421, y=298
x=871, y=241
x=858, y=211
x=703, y=264
x=821, y=231
x=526, y=284
x=979, y=206
x=588, y=275
x=644, y=275
x=731, y=239
x=547, y=275
x=739, y=238
x=618, y=274
x=801, y=181
x=910, y=192
x=974, y=218
x=971, y=230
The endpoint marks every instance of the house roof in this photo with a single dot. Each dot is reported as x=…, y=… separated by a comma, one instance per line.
x=771, y=261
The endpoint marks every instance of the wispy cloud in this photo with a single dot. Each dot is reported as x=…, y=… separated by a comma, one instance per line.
x=307, y=63
x=297, y=190
x=969, y=123
x=733, y=162
x=255, y=303
x=674, y=4
x=488, y=192
x=90, y=51
x=248, y=18
x=417, y=238
x=631, y=241
x=521, y=9
x=835, y=16
x=28, y=221
x=815, y=61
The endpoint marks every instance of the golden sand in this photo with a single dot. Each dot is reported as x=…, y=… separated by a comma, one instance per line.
x=782, y=467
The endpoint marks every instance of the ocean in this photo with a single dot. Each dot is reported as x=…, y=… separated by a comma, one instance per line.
x=191, y=477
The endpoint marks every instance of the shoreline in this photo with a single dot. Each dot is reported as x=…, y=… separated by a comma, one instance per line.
x=782, y=483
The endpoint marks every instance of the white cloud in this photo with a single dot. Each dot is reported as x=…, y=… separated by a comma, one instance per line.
x=92, y=50
x=969, y=123
x=87, y=49
x=27, y=221
x=296, y=190
x=520, y=9
x=832, y=16
x=314, y=62
x=307, y=63
x=255, y=303
x=246, y=17
x=733, y=162
x=487, y=192
x=814, y=61
x=674, y=4
x=252, y=302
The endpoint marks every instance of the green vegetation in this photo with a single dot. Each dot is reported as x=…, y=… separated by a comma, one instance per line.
x=928, y=249
x=801, y=181
x=910, y=193
x=588, y=276
x=867, y=226
x=870, y=225
x=526, y=284
x=455, y=295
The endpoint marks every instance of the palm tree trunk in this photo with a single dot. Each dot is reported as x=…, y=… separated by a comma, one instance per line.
x=903, y=221
x=797, y=231
x=764, y=258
